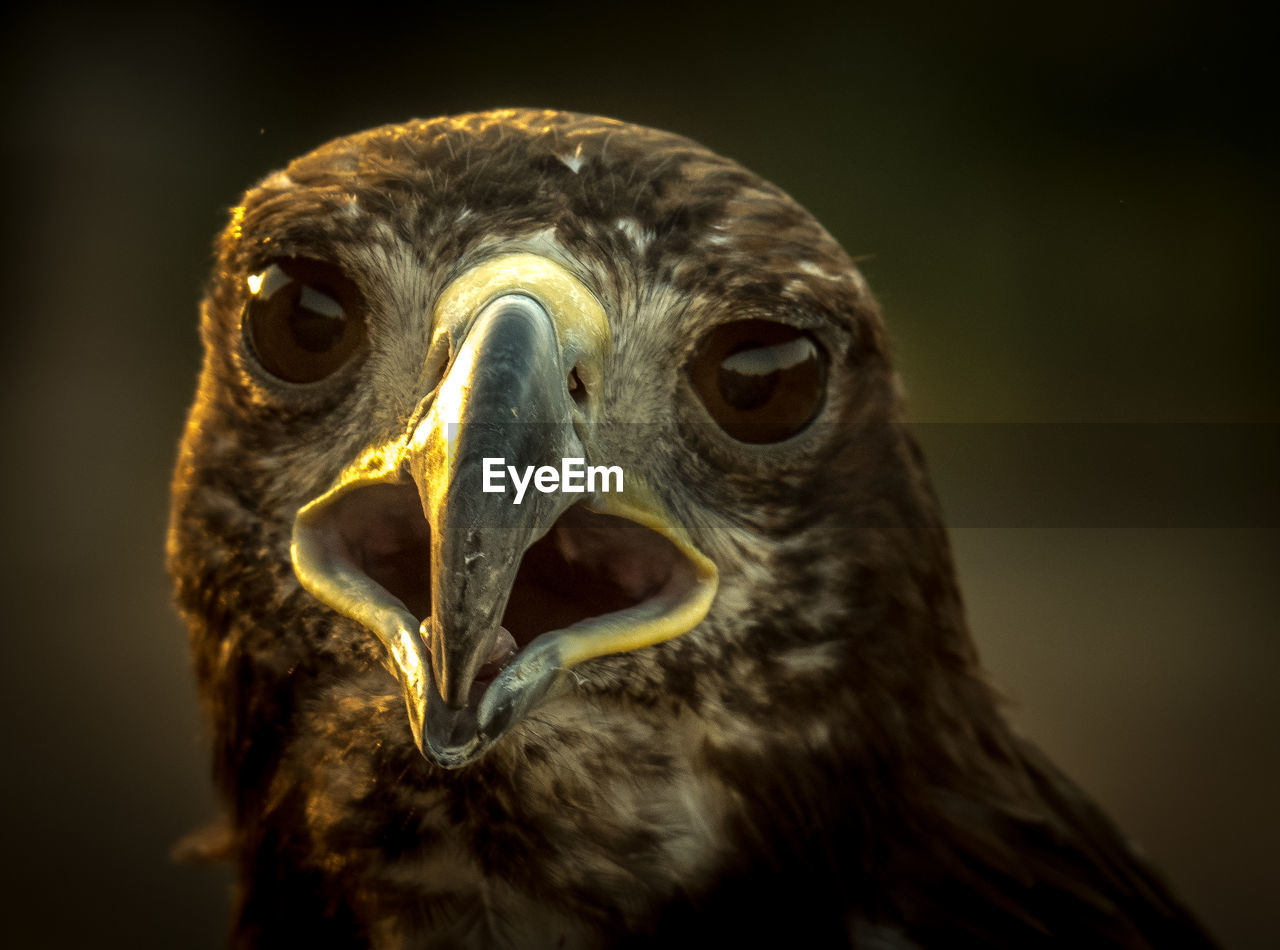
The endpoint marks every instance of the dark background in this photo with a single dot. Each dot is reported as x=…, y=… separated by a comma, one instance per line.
x=1069, y=218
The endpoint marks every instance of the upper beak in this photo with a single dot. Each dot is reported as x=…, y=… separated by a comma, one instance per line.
x=481, y=603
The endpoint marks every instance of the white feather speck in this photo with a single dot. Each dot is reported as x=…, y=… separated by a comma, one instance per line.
x=574, y=161
x=637, y=235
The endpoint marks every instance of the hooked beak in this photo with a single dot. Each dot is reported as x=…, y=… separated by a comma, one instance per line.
x=483, y=604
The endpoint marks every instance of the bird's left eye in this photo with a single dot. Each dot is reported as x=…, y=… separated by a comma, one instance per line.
x=304, y=319
x=760, y=381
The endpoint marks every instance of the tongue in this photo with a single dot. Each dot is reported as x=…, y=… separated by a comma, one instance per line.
x=500, y=654
x=504, y=645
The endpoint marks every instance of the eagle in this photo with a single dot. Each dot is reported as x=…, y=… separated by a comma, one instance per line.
x=560, y=572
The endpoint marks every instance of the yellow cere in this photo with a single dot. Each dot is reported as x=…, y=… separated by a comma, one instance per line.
x=580, y=321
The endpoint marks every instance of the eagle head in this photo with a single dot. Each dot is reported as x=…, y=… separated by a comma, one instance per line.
x=553, y=550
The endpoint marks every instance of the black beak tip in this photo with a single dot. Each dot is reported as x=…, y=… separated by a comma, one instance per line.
x=450, y=734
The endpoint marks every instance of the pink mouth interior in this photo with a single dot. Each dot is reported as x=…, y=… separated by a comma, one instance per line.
x=588, y=565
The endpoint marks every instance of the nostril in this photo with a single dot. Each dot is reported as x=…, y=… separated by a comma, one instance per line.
x=576, y=389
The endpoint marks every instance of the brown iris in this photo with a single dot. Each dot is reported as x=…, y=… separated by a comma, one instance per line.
x=304, y=319
x=761, y=381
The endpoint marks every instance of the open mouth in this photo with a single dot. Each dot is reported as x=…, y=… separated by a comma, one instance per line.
x=592, y=573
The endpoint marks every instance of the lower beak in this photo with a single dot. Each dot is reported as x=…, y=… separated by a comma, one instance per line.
x=483, y=604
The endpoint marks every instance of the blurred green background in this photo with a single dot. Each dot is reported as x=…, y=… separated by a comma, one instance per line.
x=1069, y=217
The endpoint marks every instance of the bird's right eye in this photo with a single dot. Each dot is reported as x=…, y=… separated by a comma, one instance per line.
x=304, y=319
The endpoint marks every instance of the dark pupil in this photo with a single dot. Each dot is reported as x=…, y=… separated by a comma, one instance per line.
x=316, y=321
x=761, y=381
x=748, y=377
x=304, y=319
